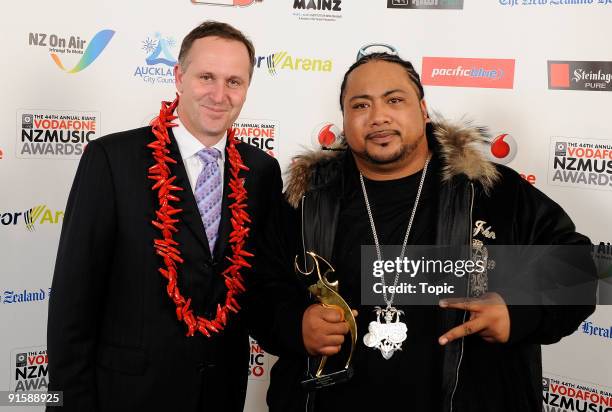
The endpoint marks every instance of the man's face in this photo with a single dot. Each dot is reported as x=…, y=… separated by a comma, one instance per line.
x=384, y=119
x=213, y=85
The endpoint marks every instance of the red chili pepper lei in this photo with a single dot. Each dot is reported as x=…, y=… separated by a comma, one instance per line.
x=167, y=216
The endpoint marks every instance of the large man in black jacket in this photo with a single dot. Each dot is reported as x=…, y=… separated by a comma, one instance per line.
x=406, y=180
x=157, y=244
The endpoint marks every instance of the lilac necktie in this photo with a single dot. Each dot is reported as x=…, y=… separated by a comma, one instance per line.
x=208, y=191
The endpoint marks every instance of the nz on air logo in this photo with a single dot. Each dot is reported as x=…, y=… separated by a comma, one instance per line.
x=32, y=217
x=159, y=68
x=282, y=60
x=61, y=46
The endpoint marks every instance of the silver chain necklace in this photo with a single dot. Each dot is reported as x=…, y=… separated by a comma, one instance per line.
x=389, y=336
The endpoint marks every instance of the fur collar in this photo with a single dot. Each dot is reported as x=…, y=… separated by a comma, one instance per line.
x=457, y=144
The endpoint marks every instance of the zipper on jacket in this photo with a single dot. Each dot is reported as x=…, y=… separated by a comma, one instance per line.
x=303, y=237
x=306, y=409
x=468, y=295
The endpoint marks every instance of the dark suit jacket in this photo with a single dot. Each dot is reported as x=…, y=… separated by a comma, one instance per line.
x=114, y=341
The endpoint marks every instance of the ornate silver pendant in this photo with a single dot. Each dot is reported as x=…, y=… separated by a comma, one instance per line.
x=386, y=337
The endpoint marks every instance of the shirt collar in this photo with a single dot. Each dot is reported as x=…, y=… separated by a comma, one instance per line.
x=188, y=144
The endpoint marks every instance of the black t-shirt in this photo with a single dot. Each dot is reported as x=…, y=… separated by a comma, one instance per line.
x=411, y=379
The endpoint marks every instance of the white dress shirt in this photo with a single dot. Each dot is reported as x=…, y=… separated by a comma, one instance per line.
x=189, y=146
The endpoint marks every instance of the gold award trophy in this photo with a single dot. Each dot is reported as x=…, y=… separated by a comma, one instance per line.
x=326, y=292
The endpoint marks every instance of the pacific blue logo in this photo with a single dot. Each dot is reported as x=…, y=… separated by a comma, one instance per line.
x=31, y=218
x=280, y=61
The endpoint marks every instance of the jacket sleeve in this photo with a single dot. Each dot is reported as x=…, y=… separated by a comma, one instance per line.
x=276, y=300
x=541, y=221
x=78, y=287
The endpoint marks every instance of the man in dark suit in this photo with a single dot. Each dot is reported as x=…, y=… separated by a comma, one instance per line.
x=138, y=269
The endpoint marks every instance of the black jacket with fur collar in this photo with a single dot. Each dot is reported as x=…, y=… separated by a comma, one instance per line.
x=477, y=376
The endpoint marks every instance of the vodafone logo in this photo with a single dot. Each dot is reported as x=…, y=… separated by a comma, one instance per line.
x=326, y=135
x=502, y=149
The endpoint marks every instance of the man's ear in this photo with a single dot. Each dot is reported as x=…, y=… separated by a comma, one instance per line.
x=424, y=111
x=178, y=78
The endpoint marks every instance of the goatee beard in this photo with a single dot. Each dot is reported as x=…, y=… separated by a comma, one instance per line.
x=403, y=152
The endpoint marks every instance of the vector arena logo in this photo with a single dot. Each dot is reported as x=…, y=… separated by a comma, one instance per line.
x=281, y=61
x=32, y=217
x=67, y=45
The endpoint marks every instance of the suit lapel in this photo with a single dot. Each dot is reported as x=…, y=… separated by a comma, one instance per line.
x=190, y=214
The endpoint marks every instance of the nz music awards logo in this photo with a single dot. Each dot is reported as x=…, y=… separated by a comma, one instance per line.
x=29, y=369
x=317, y=10
x=565, y=394
x=284, y=61
x=61, y=47
x=55, y=134
x=259, y=368
x=580, y=75
x=159, y=60
x=262, y=134
x=240, y=3
x=424, y=4
x=468, y=72
x=580, y=163
x=31, y=218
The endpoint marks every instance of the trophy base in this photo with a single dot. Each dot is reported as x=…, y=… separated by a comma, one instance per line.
x=327, y=380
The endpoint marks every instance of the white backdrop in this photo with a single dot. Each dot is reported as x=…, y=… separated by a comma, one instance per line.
x=121, y=84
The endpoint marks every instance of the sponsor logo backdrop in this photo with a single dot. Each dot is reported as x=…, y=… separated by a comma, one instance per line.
x=537, y=73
